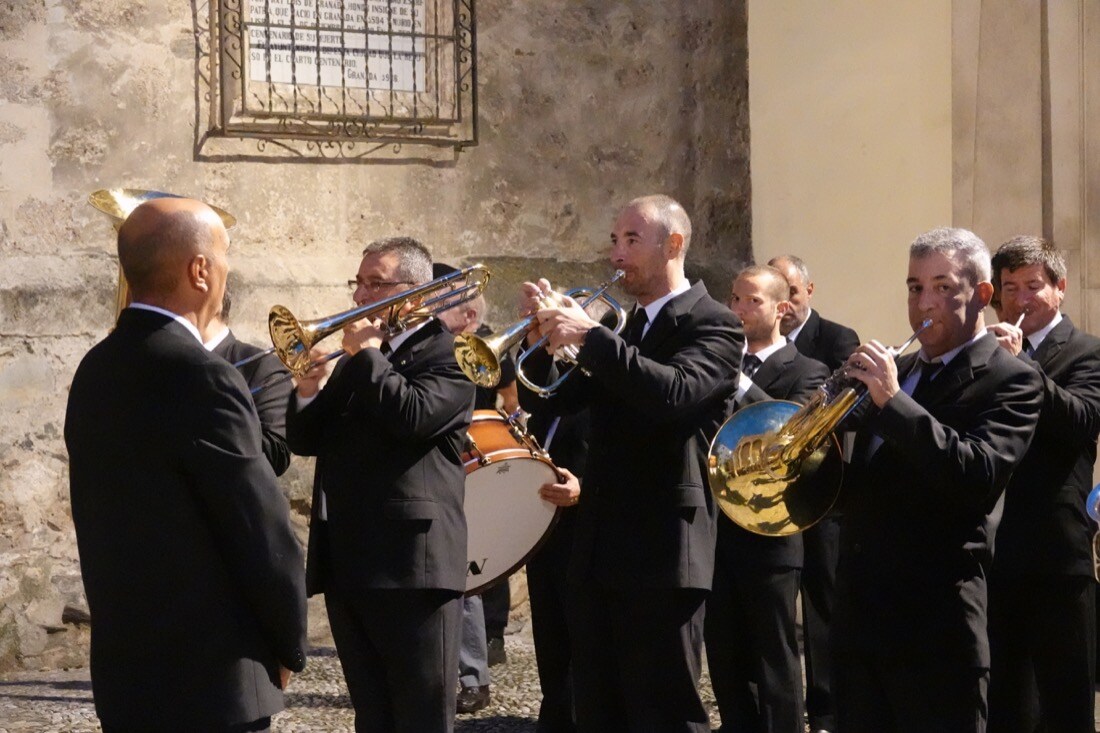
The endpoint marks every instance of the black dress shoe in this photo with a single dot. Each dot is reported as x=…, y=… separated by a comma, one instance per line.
x=497, y=655
x=472, y=699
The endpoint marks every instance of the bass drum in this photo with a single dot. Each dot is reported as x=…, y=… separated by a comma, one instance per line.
x=506, y=520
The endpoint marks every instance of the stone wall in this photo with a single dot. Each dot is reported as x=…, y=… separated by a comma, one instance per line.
x=583, y=105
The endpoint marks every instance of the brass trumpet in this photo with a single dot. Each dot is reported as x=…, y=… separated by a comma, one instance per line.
x=480, y=357
x=770, y=465
x=293, y=339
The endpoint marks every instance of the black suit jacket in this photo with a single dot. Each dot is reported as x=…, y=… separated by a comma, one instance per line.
x=270, y=401
x=1045, y=529
x=388, y=435
x=646, y=518
x=193, y=575
x=922, y=508
x=785, y=375
x=826, y=341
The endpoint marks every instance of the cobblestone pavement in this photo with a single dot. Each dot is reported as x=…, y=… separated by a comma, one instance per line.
x=61, y=701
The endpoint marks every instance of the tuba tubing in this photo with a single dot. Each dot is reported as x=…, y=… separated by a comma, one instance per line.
x=765, y=460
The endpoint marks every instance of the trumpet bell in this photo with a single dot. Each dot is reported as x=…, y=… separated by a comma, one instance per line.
x=756, y=487
x=478, y=359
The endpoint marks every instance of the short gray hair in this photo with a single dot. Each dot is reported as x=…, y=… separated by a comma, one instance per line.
x=796, y=263
x=668, y=212
x=414, y=261
x=961, y=245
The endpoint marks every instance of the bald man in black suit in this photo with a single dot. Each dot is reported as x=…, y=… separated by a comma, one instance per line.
x=193, y=575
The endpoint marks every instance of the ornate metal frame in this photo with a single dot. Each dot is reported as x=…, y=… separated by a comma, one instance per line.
x=252, y=102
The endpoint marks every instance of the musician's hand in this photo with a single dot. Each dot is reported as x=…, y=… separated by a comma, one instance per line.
x=566, y=493
x=311, y=382
x=284, y=677
x=1008, y=336
x=532, y=298
x=362, y=334
x=873, y=364
x=567, y=324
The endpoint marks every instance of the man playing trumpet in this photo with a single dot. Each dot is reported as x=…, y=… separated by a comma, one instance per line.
x=643, y=555
x=932, y=457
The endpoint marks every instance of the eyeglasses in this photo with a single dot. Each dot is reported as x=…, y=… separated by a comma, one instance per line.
x=375, y=286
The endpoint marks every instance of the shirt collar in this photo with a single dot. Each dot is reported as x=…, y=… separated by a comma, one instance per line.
x=655, y=307
x=396, y=341
x=174, y=316
x=946, y=357
x=1037, y=338
x=215, y=342
x=767, y=351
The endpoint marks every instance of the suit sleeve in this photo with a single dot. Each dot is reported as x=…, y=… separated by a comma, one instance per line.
x=418, y=407
x=706, y=362
x=271, y=404
x=968, y=468
x=1073, y=410
x=248, y=516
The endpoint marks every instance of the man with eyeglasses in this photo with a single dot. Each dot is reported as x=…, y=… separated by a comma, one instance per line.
x=387, y=543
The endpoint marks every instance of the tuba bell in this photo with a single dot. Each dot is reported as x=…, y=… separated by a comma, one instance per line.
x=775, y=467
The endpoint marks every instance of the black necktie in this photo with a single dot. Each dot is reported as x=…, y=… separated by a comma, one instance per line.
x=632, y=334
x=749, y=364
x=386, y=349
x=1028, y=348
x=928, y=369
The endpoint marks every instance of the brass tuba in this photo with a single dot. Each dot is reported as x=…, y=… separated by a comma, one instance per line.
x=118, y=203
x=774, y=466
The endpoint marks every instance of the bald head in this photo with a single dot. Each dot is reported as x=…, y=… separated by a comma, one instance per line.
x=158, y=241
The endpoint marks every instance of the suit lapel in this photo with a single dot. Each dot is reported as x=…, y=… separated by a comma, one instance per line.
x=773, y=367
x=1054, y=342
x=669, y=317
x=807, y=337
x=414, y=344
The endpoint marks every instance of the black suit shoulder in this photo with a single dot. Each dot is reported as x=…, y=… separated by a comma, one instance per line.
x=1045, y=528
x=826, y=341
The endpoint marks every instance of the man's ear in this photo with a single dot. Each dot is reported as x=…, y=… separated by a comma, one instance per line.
x=675, y=244
x=783, y=307
x=809, y=289
x=984, y=292
x=198, y=273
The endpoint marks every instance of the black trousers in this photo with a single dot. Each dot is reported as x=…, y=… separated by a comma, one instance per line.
x=752, y=642
x=878, y=693
x=821, y=545
x=1042, y=642
x=399, y=653
x=548, y=590
x=637, y=656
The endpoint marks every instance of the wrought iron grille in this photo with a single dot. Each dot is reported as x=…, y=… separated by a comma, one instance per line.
x=337, y=78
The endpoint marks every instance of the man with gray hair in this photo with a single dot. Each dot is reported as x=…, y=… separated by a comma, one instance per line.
x=1042, y=591
x=643, y=554
x=387, y=539
x=935, y=448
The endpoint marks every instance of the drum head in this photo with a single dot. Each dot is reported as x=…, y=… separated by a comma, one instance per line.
x=506, y=519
